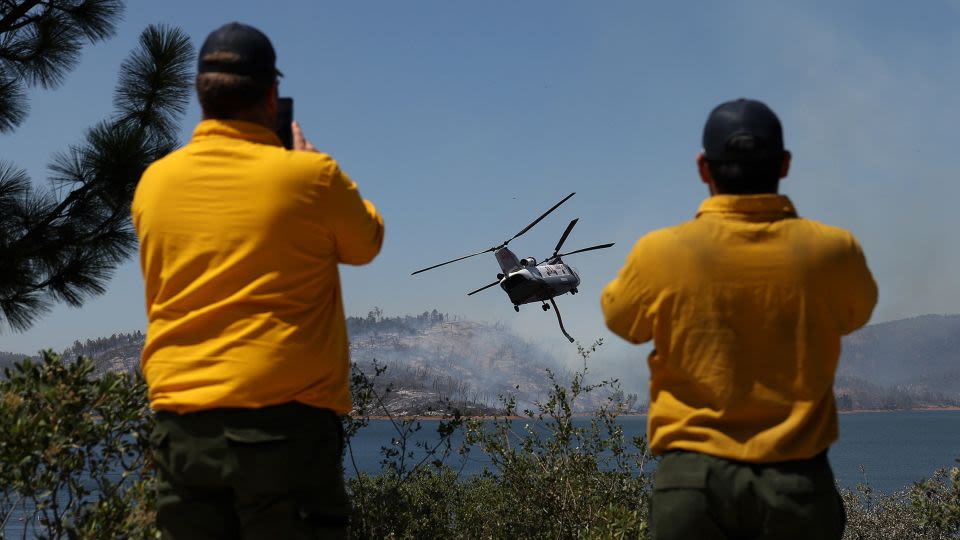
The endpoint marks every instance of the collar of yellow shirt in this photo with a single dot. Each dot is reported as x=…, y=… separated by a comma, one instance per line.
x=768, y=206
x=236, y=129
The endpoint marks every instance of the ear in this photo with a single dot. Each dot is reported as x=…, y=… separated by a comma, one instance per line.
x=705, y=175
x=785, y=165
x=271, y=99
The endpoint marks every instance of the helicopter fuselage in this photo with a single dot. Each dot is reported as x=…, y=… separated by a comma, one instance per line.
x=539, y=283
x=529, y=282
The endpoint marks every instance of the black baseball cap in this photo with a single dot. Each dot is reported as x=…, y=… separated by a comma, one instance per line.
x=255, y=54
x=742, y=130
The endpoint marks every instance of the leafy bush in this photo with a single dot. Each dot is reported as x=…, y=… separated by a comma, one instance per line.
x=73, y=451
x=929, y=510
x=937, y=503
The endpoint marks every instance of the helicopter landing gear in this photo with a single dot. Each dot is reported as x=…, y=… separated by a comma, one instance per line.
x=516, y=308
x=574, y=291
x=545, y=307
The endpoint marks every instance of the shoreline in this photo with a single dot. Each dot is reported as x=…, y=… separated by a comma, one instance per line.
x=924, y=408
x=418, y=417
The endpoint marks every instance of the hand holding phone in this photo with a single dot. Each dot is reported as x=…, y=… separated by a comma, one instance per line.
x=299, y=141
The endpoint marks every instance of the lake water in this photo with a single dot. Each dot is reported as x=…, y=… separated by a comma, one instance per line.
x=889, y=450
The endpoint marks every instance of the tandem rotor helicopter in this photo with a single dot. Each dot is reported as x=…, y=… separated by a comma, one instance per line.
x=526, y=281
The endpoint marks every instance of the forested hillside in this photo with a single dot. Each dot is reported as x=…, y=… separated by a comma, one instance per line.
x=435, y=361
x=8, y=359
x=433, y=357
x=902, y=364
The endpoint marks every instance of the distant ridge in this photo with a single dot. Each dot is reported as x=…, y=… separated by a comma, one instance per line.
x=908, y=363
x=8, y=358
x=435, y=362
x=906, y=351
x=434, y=358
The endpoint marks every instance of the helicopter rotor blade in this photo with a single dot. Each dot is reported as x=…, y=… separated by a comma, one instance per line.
x=591, y=248
x=525, y=229
x=563, y=238
x=453, y=261
x=484, y=287
x=545, y=214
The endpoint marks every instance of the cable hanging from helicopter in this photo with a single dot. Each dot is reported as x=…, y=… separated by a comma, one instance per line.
x=524, y=280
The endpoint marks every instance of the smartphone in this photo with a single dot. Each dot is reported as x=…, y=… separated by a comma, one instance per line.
x=284, y=118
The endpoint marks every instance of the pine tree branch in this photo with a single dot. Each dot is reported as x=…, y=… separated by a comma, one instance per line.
x=116, y=218
x=16, y=13
x=66, y=250
x=147, y=116
x=18, y=25
x=58, y=213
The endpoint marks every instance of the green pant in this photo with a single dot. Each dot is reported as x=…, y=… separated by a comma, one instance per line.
x=704, y=497
x=275, y=472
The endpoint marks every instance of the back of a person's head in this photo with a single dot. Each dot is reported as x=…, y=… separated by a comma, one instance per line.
x=235, y=71
x=743, y=146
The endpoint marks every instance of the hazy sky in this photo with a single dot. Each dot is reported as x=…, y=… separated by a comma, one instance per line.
x=463, y=121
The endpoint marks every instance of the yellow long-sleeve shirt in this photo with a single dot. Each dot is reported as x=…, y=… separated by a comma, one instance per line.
x=239, y=245
x=746, y=305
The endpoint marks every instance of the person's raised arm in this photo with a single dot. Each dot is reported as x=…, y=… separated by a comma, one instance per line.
x=626, y=301
x=356, y=225
x=859, y=287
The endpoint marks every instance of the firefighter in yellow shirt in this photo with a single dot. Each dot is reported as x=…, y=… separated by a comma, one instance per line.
x=746, y=305
x=246, y=356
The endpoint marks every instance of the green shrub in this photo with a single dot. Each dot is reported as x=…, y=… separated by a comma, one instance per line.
x=73, y=451
x=937, y=503
x=930, y=510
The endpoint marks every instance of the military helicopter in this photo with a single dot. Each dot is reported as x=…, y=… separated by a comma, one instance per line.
x=526, y=281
